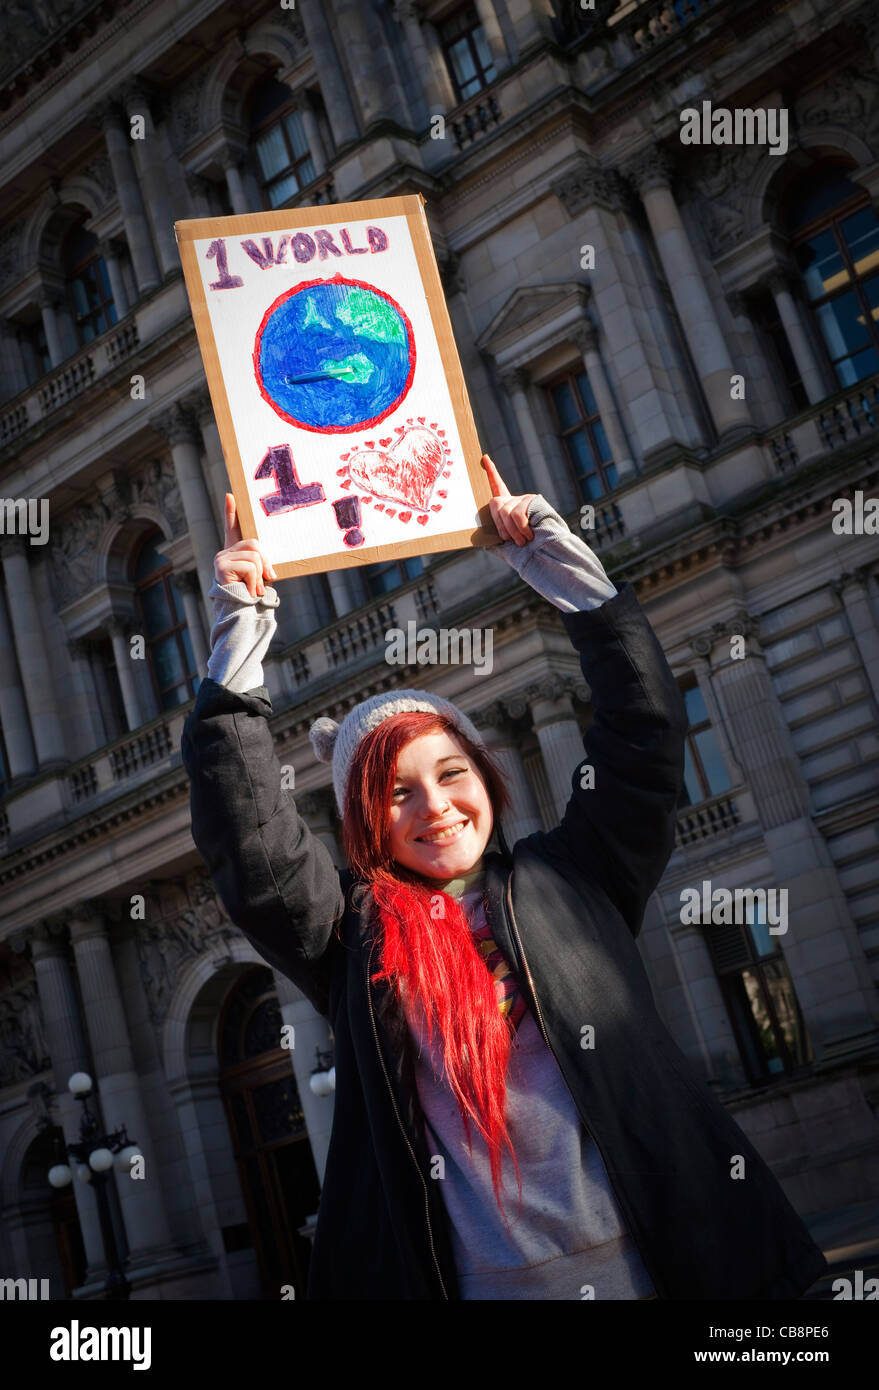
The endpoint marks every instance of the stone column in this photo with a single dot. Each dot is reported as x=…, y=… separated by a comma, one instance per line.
x=651, y=173
x=13, y=705
x=13, y=366
x=344, y=591
x=436, y=84
x=821, y=946
x=118, y=630
x=67, y=1047
x=532, y=22
x=180, y=431
x=33, y=662
x=586, y=338
x=493, y=36
x=118, y=1084
x=561, y=743
x=790, y=313
x=92, y=720
x=110, y=252
x=516, y=385
x=523, y=817
x=153, y=175
x=309, y=1031
x=235, y=185
x=217, y=480
x=851, y=587
x=333, y=86
x=137, y=231
x=198, y=188
x=190, y=591
x=49, y=303
x=313, y=136
x=364, y=44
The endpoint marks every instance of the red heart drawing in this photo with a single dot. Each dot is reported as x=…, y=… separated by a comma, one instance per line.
x=379, y=506
x=437, y=507
x=390, y=511
x=421, y=419
x=340, y=472
x=343, y=457
x=370, y=443
x=405, y=516
x=366, y=499
x=406, y=473
x=446, y=472
x=347, y=483
x=441, y=433
x=440, y=493
x=433, y=425
x=422, y=520
x=383, y=443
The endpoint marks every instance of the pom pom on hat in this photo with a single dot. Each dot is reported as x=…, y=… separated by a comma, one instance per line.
x=323, y=734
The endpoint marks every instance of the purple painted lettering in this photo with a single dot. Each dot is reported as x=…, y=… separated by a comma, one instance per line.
x=278, y=464
x=325, y=241
x=302, y=246
x=377, y=239
x=346, y=242
x=217, y=252
x=267, y=256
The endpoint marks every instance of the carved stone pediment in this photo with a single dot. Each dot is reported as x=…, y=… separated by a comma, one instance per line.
x=184, y=919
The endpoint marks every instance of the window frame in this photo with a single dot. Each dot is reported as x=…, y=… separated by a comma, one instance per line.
x=585, y=423
x=446, y=44
x=163, y=575
x=106, y=305
x=278, y=117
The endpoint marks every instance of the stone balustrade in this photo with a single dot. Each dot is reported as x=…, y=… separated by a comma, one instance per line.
x=830, y=425
x=706, y=818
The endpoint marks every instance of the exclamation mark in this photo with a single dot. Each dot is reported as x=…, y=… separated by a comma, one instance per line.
x=347, y=511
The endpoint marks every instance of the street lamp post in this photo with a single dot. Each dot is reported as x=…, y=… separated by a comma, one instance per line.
x=94, y=1155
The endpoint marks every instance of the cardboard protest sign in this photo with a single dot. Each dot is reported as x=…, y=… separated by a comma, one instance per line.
x=336, y=384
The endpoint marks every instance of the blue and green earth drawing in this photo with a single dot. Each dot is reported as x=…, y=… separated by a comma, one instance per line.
x=334, y=355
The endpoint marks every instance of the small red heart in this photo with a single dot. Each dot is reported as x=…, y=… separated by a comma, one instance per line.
x=366, y=499
x=343, y=457
x=401, y=429
x=379, y=506
x=433, y=425
x=440, y=493
x=347, y=483
x=405, y=516
x=422, y=520
x=340, y=472
x=370, y=443
x=441, y=433
x=421, y=419
x=390, y=511
x=385, y=442
x=446, y=472
x=437, y=507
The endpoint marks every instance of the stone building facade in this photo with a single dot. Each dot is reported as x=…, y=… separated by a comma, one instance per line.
x=683, y=336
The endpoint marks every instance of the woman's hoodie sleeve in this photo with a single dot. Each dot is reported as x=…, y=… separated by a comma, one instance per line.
x=619, y=824
x=275, y=878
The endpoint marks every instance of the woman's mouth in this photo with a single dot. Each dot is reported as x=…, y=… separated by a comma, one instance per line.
x=440, y=837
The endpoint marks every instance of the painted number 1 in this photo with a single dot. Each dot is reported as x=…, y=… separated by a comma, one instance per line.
x=278, y=464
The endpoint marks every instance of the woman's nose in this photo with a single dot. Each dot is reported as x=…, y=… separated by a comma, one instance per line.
x=434, y=800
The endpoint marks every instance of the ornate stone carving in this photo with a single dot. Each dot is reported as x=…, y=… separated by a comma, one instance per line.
x=552, y=686
x=653, y=167
x=176, y=425
x=184, y=113
x=741, y=624
x=585, y=337
x=26, y=26
x=24, y=1049
x=849, y=98
x=100, y=172
x=587, y=186
x=183, y=920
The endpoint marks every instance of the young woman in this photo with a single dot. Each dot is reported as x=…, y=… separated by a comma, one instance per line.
x=512, y=1119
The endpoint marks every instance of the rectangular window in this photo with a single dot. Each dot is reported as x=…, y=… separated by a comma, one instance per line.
x=705, y=772
x=582, y=435
x=465, y=49
x=759, y=996
x=381, y=579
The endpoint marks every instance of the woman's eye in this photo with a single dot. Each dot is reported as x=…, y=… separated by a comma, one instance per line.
x=453, y=771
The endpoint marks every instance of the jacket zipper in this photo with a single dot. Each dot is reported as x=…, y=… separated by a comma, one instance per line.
x=400, y=1123
x=623, y=1205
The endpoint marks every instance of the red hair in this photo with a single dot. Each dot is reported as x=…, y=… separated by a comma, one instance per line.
x=429, y=955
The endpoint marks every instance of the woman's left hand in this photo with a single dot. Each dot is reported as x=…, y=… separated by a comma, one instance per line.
x=509, y=514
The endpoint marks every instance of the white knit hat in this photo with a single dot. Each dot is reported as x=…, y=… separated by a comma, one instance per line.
x=337, y=743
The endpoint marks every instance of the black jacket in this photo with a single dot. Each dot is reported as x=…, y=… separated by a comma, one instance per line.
x=565, y=906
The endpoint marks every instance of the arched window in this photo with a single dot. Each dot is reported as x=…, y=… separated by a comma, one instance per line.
x=582, y=435
x=279, y=144
x=88, y=284
x=835, y=240
x=160, y=607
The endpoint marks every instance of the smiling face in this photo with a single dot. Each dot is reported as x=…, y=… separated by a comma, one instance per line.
x=441, y=816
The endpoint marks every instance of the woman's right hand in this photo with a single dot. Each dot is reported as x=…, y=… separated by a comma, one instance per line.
x=239, y=559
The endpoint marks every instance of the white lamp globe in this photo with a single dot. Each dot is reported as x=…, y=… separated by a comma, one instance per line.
x=60, y=1175
x=331, y=1078
x=84, y=1172
x=100, y=1160
x=318, y=1083
x=125, y=1156
x=79, y=1084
